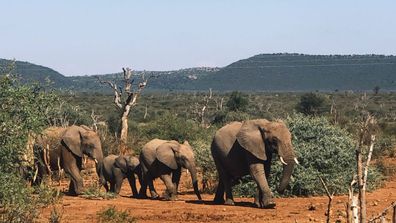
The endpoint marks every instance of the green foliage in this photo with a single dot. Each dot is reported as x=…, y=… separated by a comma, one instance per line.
x=311, y=104
x=237, y=102
x=170, y=126
x=22, y=112
x=56, y=215
x=93, y=192
x=323, y=150
x=223, y=117
x=112, y=215
x=206, y=164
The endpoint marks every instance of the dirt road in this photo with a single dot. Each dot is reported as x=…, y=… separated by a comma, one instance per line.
x=188, y=209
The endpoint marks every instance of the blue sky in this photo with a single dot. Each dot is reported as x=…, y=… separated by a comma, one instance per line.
x=77, y=37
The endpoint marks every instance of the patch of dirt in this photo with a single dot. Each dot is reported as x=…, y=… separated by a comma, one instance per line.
x=188, y=209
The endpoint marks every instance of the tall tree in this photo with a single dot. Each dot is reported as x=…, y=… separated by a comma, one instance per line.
x=125, y=99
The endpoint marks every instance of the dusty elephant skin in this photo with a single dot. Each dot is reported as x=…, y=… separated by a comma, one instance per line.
x=64, y=148
x=239, y=149
x=116, y=168
x=164, y=159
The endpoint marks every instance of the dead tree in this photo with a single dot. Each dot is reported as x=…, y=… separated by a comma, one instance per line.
x=125, y=99
x=200, y=109
x=330, y=196
x=366, y=136
x=382, y=215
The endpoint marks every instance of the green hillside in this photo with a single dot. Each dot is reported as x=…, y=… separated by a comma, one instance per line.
x=264, y=72
x=29, y=73
x=297, y=72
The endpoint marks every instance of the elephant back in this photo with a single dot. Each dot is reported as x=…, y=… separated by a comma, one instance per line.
x=225, y=137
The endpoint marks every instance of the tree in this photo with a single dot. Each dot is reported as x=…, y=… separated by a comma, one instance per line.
x=22, y=113
x=237, y=102
x=376, y=89
x=130, y=97
x=311, y=104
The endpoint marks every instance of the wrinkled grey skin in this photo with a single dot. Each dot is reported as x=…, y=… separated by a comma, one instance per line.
x=164, y=159
x=67, y=146
x=239, y=149
x=116, y=168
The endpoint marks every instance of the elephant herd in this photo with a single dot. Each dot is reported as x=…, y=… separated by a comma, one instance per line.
x=238, y=149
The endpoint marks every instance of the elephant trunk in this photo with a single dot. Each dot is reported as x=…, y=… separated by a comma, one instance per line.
x=288, y=161
x=193, y=171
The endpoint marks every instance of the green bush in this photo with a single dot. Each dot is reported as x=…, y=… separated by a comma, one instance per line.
x=203, y=157
x=22, y=112
x=312, y=104
x=237, y=101
x=112, y=215
x=323, y=150
x=171, y=127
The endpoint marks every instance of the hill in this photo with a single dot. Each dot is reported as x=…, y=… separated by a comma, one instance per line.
x=298, y=72
x=29, y=73
x=264, y=72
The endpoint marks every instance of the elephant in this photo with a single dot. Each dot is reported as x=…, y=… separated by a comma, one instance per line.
x=63, y=148
x=164, y=159
x=116, y=168
x=242, y=148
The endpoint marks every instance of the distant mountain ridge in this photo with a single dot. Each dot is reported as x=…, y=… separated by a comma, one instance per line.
x=263, y=72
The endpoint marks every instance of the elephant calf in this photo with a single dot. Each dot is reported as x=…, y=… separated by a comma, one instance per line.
x=164, y=159
x=116, y=168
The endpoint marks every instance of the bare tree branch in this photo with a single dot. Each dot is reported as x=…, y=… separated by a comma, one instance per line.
x=330, y=196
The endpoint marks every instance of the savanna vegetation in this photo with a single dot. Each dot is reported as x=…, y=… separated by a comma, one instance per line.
x=324, y=128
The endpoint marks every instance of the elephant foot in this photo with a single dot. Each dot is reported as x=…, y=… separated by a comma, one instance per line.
x=154, y=195
x=229, y=202
x=218, y=201
x=267, y=204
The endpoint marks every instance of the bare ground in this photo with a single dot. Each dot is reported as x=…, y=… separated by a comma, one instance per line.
x=188, y=209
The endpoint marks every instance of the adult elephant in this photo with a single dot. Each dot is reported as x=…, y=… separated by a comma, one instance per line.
x=239, y=149
x=116, y=168
x=63, y=148
x=164, y=159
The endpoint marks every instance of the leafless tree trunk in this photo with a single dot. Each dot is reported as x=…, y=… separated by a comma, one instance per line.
x=330, y=196
x=125, y=106
x=362, y=169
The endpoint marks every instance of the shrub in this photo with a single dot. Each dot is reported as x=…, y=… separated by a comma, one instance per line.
x=22, y=109
x=237, y=102
x=93, y=192
x=112, y=215
x=170, y=126
x=312, y=104
x=203, y=157
x=323, y=150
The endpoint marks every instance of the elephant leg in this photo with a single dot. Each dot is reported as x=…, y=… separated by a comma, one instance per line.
x=227, y=186
x=170, y=187
x=112, y=187
x=219, y=197
x=106, y=186
x=132, y=183
x=176, y=178
x=71, y=166
x=118, y=178
x=153, y=192
x=264, y=196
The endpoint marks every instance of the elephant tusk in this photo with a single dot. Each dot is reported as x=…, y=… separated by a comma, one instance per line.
x=282, y=161
x=96, y=161
x=295, y=160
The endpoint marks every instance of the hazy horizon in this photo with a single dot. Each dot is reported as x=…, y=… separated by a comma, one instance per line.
x=97, y=37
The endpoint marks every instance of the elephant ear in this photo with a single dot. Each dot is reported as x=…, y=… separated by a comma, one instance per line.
x=251, y=138
x=133, y=162
x=72, y=140
x=120, y=162
x=166, y=154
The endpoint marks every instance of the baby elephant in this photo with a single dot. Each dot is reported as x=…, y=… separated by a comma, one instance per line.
x=116, y=168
